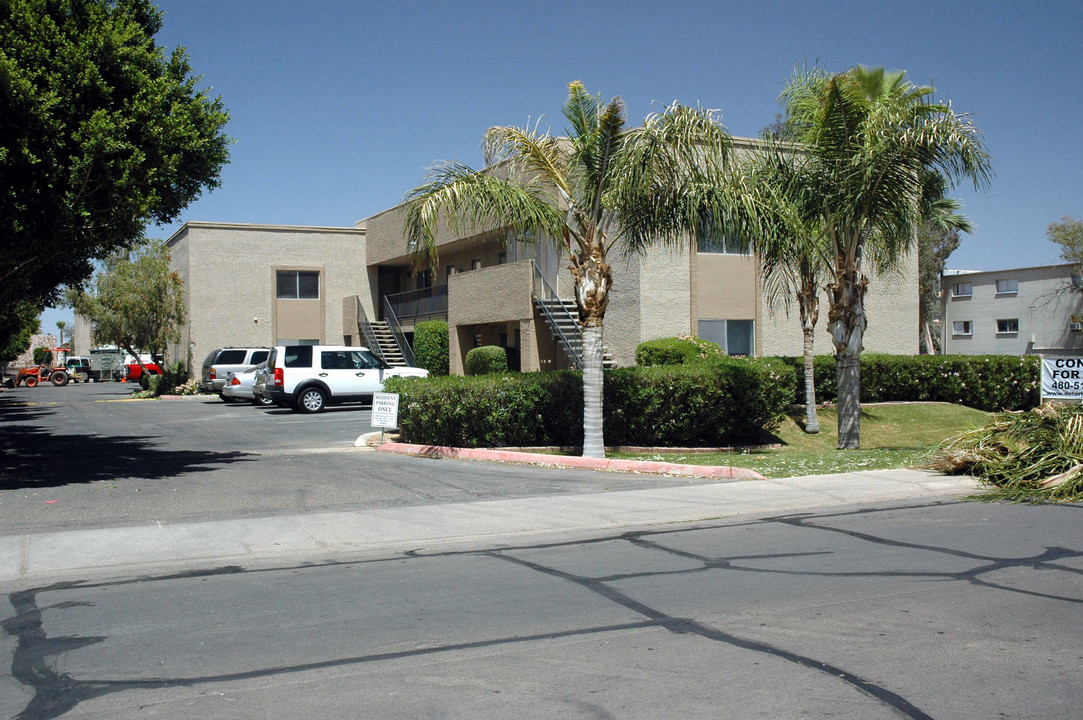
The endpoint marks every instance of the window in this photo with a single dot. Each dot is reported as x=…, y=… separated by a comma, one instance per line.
x=1007, y=287
x=962, y=290
x=1008, y=326
x=725, y=245
x=298, y=284
x=962, y=327
x=451, y=270
x=736, y=337
x=502, y=258
x=475, y=264
x=259, y=356
x=298, y=356
x=231, y=357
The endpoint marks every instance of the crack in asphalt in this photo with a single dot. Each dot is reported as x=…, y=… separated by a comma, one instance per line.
x=36, y=657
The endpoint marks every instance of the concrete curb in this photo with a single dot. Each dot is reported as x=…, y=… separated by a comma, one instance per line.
x=633, y=466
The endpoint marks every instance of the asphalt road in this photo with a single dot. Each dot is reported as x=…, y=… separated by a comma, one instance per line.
x=942, y=610
x=84, y=456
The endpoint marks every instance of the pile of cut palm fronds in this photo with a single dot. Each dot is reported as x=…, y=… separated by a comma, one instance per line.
x=1031, y=456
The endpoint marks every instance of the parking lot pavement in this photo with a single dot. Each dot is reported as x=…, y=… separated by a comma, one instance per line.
x=85, y=456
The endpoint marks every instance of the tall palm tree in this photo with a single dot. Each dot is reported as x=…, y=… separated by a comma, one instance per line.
x=872, y=141
x=599, y=187
x=794, y=259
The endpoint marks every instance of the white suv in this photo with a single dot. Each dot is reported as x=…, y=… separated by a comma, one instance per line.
x=308, y=378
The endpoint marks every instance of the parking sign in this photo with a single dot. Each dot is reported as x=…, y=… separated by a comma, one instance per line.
x=385, y=410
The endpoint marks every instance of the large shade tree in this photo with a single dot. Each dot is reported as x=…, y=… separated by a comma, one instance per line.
x=101, y=132
x=602, y=186
x=874, y=157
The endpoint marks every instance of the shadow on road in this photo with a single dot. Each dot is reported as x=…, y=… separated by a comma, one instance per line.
x=31, y=457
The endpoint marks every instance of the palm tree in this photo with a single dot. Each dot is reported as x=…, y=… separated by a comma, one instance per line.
x=599, y=187
x=876, y=156
x=793, y=261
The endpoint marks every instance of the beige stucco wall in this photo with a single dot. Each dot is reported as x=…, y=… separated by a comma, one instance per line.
x=230, y=280
x=489, y=301
x=891, y=306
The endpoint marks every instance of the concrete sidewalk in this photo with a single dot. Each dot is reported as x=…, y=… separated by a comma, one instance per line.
x=77, y=554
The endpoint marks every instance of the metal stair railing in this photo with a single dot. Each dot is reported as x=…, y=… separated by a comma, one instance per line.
x=365, y=328
x=396, y=332
x=544, y=292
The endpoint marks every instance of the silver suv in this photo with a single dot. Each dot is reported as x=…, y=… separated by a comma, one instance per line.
x=221, y=362
x=308, y=378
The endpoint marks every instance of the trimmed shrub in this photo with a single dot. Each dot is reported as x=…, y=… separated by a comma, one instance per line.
x=153, y=383
x=486, y=360
x=173, y=376
x=984, y=382
x=680, y=350
x=729, y=401
x=431, y=348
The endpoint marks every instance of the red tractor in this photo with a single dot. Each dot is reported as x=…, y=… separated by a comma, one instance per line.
x=56, y=375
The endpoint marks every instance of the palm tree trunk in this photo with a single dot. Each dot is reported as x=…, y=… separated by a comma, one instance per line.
x=593, y=441
x=812, y=421
x=809, y=305
x=847, y=323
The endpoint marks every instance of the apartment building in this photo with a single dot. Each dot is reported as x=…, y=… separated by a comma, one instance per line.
x=1019, y=311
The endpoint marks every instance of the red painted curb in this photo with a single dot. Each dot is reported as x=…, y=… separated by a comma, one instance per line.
x=509, y=456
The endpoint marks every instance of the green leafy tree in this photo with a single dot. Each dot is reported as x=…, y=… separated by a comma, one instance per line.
x=17, y=325
x=873, y=159
x=1068, y=233
x=604, y=185
x=935, y=245
x=136, y=302
x=100, y=133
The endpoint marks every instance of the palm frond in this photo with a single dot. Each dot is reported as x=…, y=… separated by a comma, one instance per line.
x=464, y=200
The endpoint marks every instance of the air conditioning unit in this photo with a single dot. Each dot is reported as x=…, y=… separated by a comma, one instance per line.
x=1075, y=327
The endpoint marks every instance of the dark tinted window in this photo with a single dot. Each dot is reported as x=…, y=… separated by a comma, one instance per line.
x=336, y=360
x=298, y=284
x=298, y=356
x=367, y=360
x=259, y=356
x=230, y=357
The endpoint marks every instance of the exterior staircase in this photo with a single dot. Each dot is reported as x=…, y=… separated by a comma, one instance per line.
x=385, y=346
x=562, y=317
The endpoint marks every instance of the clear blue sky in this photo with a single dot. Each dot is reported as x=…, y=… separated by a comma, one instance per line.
x=338, y=107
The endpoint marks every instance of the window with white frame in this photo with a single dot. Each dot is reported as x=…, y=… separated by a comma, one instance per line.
x=962, y=289
x=962, y=327
x=1008, y=287
x=736, y=337
x=475, y=264
x=725, y=245
x=451, y=270
x=1008, y=326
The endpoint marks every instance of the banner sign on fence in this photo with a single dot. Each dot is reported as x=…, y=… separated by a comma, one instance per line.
x=1062, y=378
x=385, y=410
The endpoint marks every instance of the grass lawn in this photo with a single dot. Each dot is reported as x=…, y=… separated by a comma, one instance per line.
x=892, y=436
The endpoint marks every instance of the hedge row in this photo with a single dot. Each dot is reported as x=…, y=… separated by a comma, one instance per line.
x=732, y=402
x=985, y=382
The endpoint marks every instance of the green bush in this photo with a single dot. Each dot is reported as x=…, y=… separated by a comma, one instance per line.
x=486, y=360
x=984, y=382
x=729, y=401
x=173, y=376
x=39, y=355
x=681, y=350
x=150, y=382
x=431, y=346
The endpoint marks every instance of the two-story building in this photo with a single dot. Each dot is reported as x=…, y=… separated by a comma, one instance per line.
x=1020, y=311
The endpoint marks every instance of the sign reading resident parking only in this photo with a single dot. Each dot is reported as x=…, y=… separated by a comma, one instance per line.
x=1062, y=378
x=385, y=410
